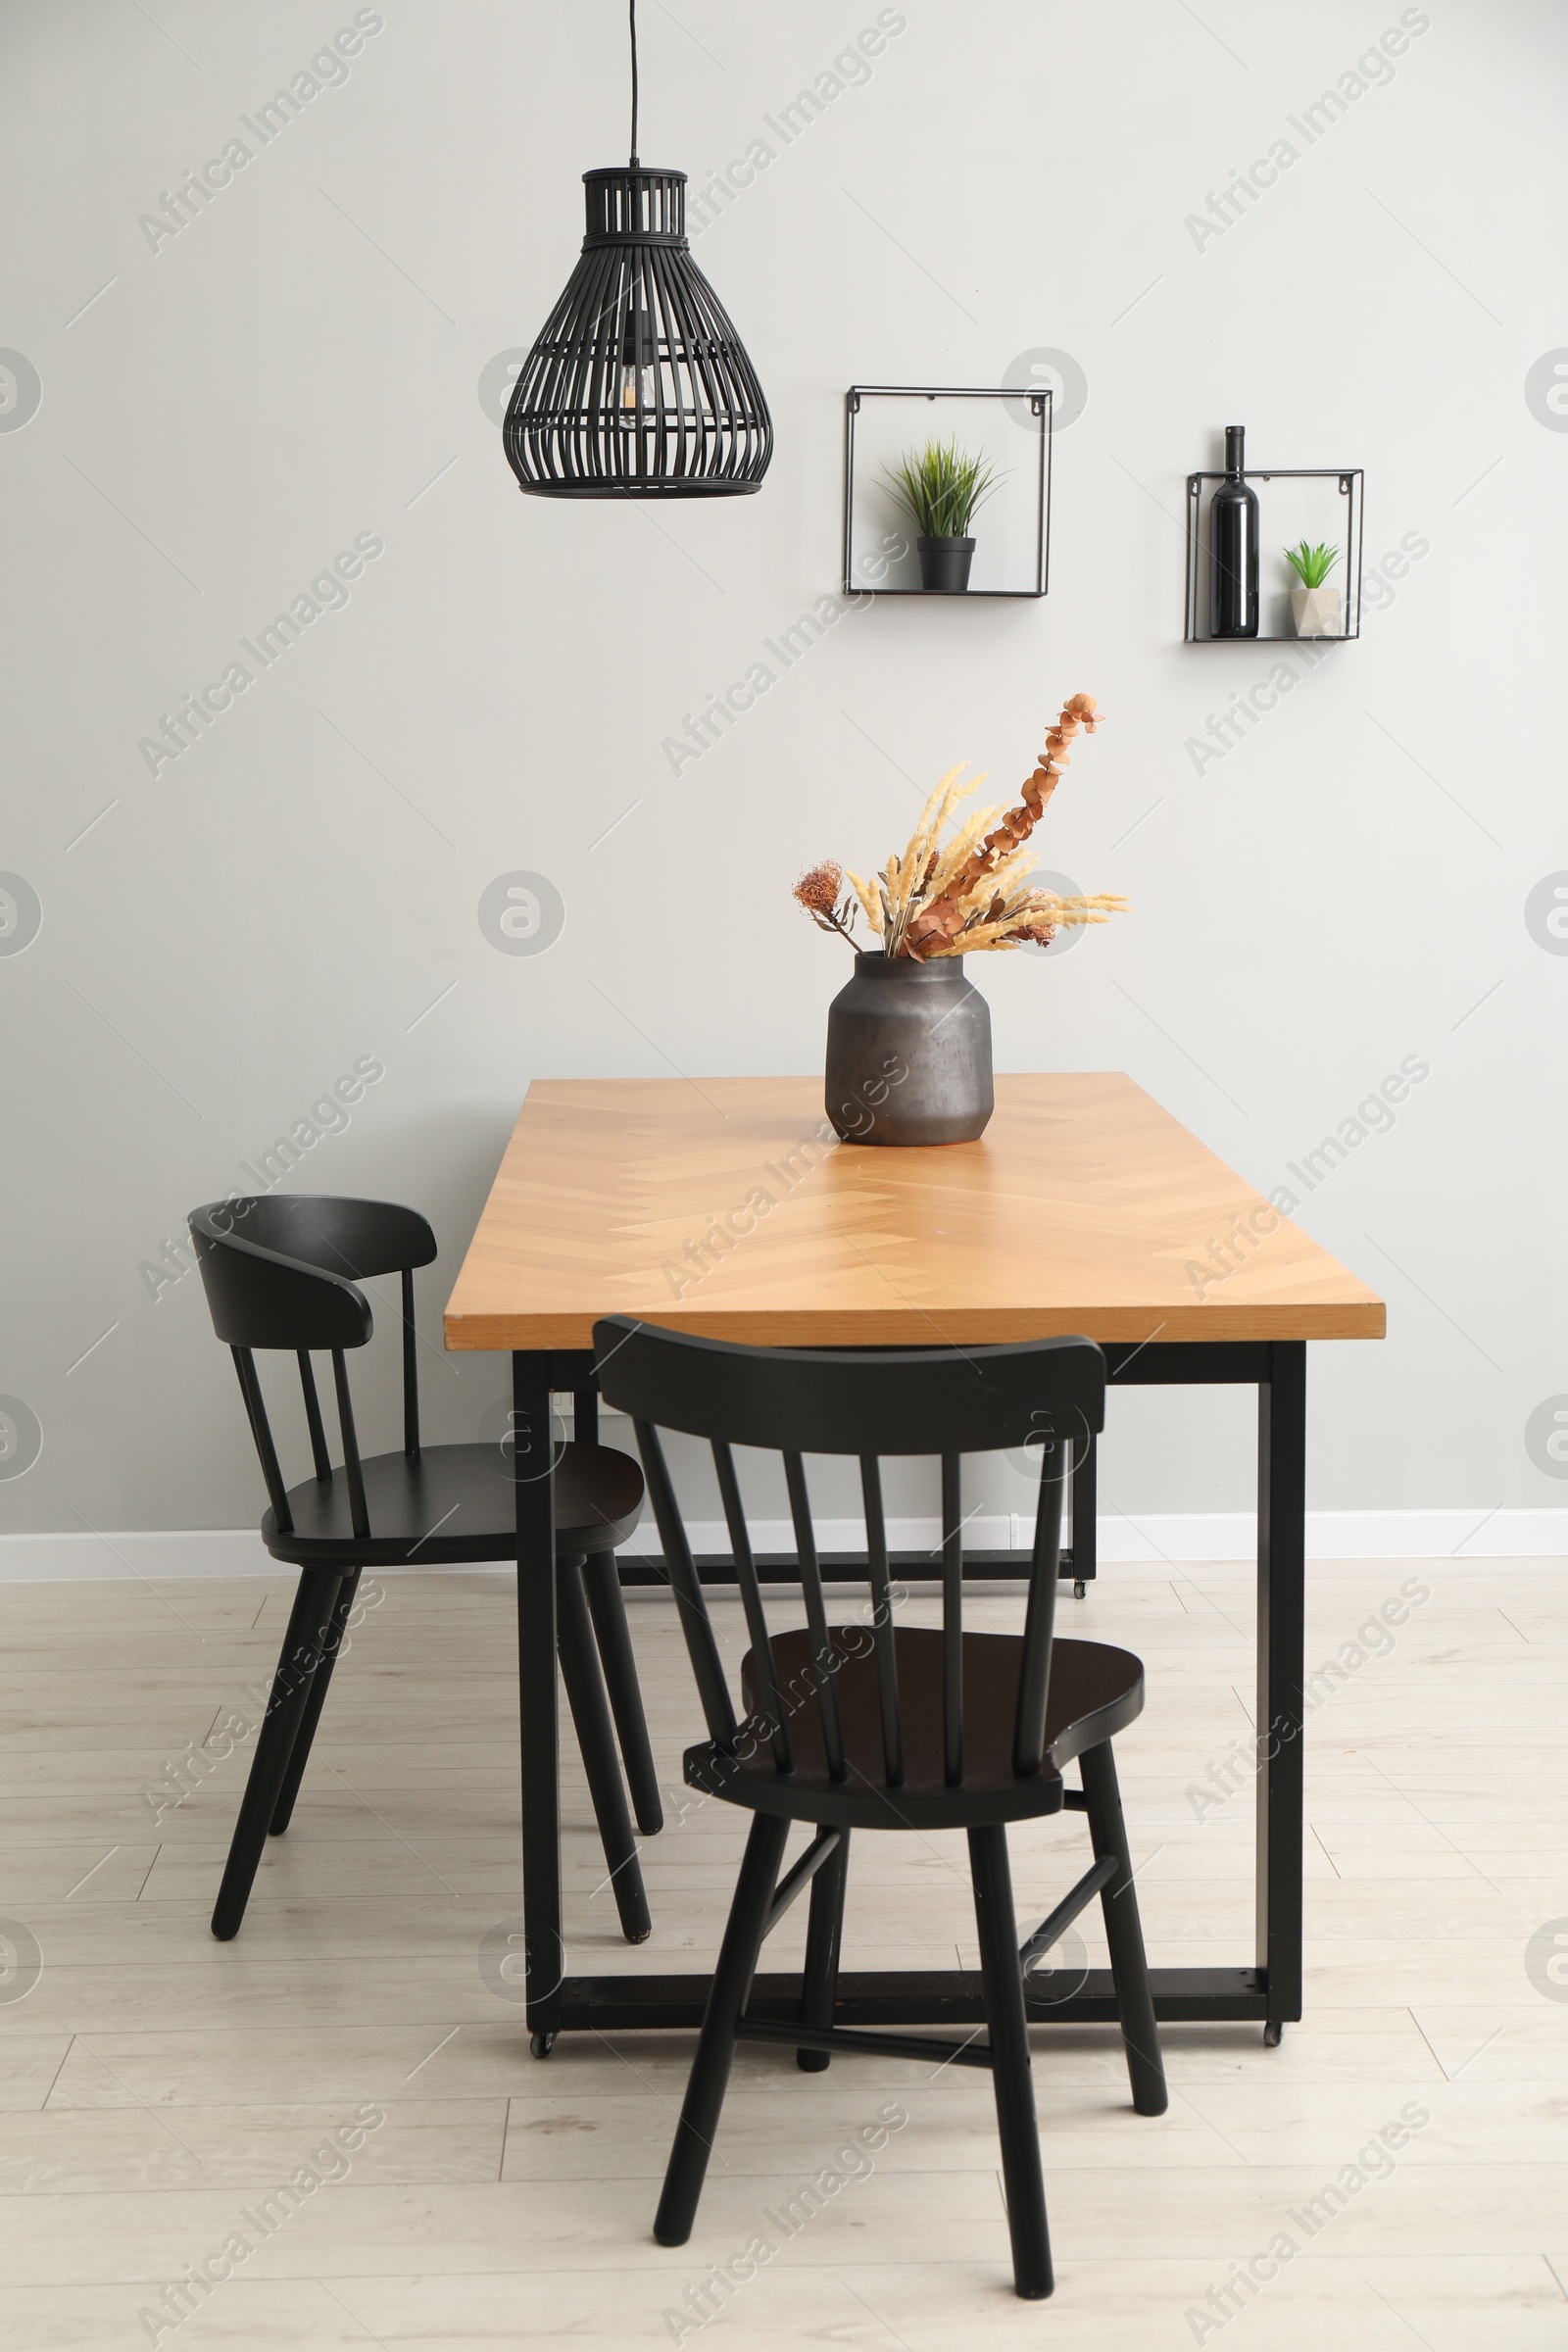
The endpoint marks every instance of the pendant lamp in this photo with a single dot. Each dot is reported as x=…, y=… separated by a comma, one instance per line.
x=639, y=385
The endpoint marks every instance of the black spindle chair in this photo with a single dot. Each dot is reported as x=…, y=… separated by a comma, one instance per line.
x=885, y=1727
x=283, y=1273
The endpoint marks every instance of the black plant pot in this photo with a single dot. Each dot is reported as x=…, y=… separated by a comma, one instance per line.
x=908, y=1053
x=944, y=562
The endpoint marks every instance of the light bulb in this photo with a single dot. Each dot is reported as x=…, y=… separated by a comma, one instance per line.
x=638, y=353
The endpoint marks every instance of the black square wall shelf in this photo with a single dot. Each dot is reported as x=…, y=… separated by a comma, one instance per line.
x=1295, y=514
x=1012, y=530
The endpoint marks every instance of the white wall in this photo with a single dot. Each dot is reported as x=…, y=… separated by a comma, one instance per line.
x=1345, y=888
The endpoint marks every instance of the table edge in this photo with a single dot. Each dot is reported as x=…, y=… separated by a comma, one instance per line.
x=913, y=1327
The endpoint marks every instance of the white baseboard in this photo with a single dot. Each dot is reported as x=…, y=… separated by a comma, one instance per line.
x=1175, y=1536
x=160, y=1553
x=1189, y=1536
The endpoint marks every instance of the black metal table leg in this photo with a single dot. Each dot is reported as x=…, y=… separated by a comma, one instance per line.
x=536, y=1684
x=1085, y=1504
x=1281, y=1661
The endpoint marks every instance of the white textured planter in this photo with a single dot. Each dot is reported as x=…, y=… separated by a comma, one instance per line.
x=1316, y=612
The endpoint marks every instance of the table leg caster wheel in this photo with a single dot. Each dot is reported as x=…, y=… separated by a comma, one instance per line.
x=1273, y=2035
x=1079, y=1588
x=542, y=2044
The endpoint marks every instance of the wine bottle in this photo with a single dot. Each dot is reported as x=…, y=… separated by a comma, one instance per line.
x=1233, y=541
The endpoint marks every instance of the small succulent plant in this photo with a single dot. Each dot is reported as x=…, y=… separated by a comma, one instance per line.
x=1312, y=565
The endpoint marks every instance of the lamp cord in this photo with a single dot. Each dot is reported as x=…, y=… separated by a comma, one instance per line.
x=633, y=5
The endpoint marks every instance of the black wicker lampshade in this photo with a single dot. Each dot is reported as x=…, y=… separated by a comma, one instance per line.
x=639, y=385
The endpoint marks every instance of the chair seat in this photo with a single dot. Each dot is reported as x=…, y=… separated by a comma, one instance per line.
x=455, y=1503
x=1095, y=1691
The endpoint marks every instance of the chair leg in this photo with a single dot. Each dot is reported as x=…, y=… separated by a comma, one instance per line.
x=715, y=2049
x=824, y=1936
x=309, y=1627
x=607, y=1605
x=586, y=1691
x=283, y=1810
x=1118, y=1901
x=1016, y=2126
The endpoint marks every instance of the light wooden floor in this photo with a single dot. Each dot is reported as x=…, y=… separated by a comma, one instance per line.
x=158, y=2085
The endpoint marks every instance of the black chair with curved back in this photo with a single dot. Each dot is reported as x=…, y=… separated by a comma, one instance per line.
x=286, y=1273
x=883, y=1726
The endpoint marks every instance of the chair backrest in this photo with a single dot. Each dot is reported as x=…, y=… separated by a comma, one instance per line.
x=946, y=1402
x=283, y=1273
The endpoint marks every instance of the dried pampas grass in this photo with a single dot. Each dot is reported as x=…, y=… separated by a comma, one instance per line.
x=968, y=893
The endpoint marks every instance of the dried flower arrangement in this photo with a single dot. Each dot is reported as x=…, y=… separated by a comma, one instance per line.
x=971, y=892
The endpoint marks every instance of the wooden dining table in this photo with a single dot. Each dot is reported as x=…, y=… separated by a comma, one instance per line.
x=728, y=1207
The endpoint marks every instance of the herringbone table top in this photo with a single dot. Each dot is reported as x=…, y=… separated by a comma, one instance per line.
x=726, y=1206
